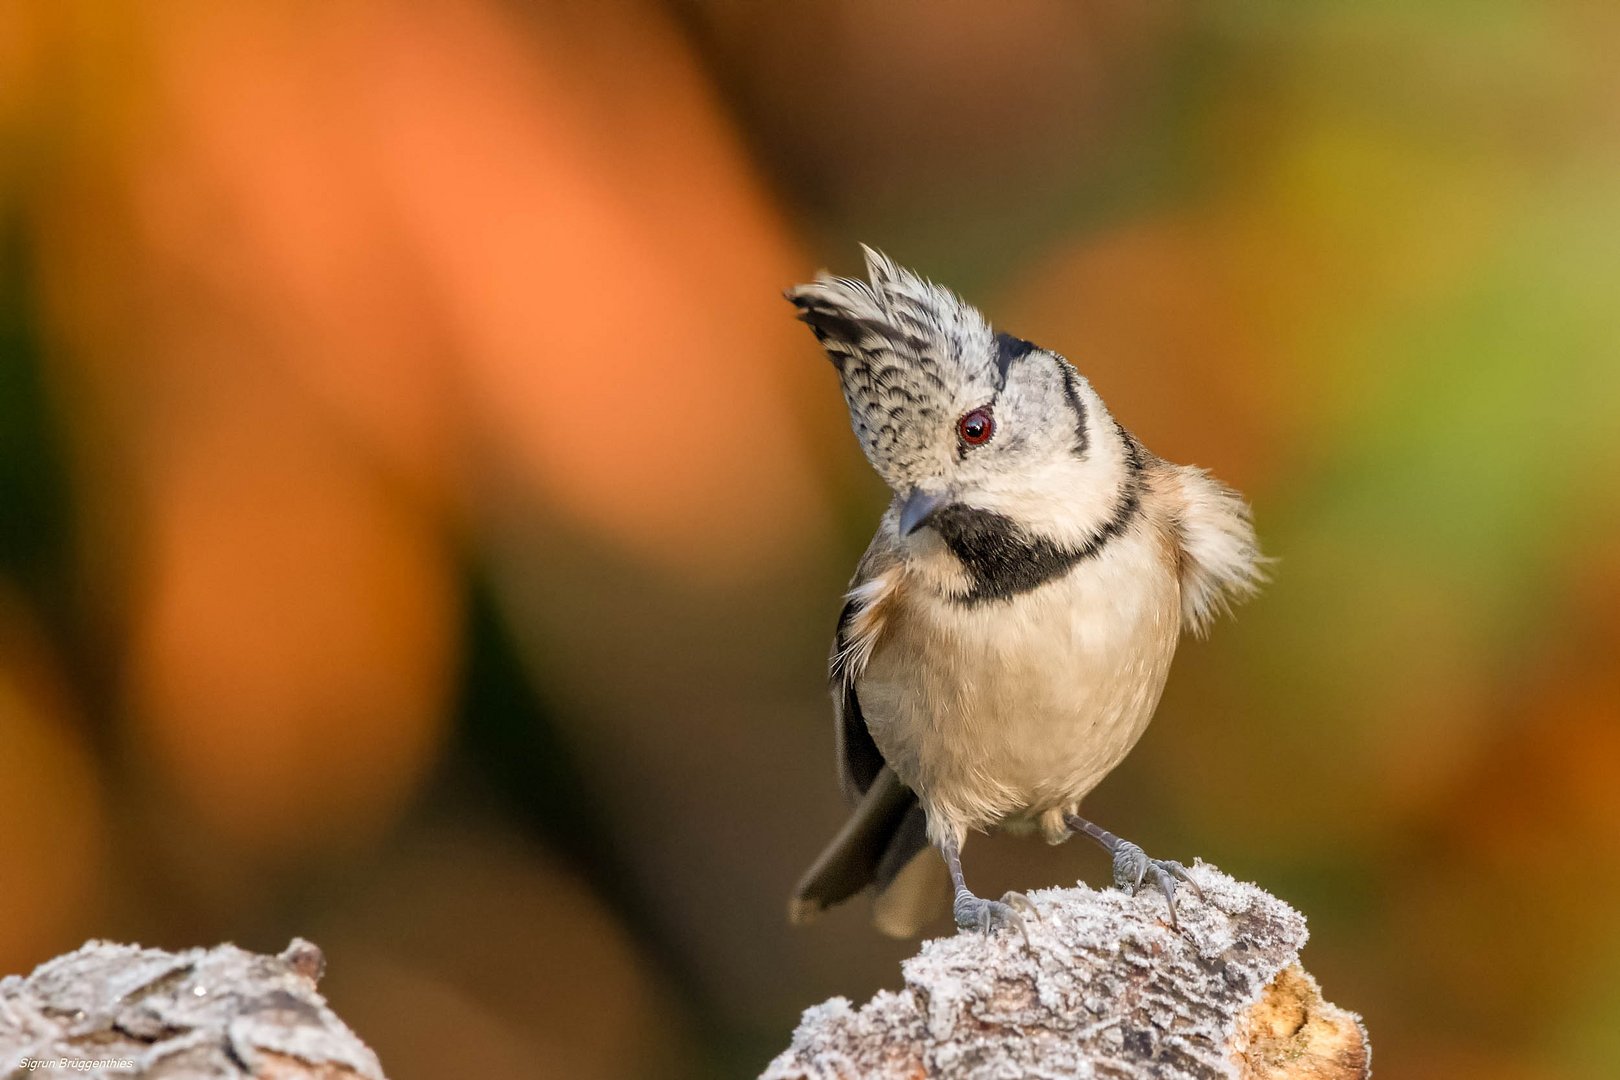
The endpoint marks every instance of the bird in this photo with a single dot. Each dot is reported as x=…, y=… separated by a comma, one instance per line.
x=1008, y=632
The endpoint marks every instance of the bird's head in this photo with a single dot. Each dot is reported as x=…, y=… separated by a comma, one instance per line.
x=960, y=420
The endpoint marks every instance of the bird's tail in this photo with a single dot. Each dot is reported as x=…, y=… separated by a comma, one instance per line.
x=915, y=898
x=877, y=848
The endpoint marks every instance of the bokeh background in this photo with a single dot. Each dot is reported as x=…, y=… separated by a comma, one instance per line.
x=422, y=521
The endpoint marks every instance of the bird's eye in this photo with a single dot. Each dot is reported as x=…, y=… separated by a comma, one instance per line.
x=976, y=427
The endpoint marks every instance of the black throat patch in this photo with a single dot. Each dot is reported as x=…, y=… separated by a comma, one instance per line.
x=1003, y=560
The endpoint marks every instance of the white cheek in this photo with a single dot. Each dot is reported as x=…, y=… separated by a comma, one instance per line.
x=1065, y=499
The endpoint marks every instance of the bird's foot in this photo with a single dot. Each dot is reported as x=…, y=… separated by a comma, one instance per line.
x=974, y=913
x=1132, y=867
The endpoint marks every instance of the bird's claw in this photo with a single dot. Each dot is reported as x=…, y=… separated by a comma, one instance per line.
x=1022, y=904
x=1132, y=867
x=974, y=913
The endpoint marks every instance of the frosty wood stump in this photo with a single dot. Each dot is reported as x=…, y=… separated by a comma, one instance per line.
x=1106, y=989
x=119, y=1011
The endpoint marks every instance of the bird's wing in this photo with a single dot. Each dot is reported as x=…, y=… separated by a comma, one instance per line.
x=1219, y=559
x=867, y=606
x=878, y=845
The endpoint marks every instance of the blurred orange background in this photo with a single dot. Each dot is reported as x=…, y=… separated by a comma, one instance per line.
x=422, y=521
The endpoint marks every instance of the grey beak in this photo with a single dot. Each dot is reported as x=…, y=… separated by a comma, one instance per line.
x=919, y=507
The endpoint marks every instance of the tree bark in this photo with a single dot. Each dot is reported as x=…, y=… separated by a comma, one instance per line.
x=1106, y=988
x=118, y=1011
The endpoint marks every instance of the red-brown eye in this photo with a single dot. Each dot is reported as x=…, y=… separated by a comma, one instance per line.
x=976, y=427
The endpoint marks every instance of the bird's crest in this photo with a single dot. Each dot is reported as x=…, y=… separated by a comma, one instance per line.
x=910, y=355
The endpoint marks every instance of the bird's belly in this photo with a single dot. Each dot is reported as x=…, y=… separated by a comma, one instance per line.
x=998, y=713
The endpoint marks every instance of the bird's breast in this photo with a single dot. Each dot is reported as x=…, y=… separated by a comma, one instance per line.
x=998, y=712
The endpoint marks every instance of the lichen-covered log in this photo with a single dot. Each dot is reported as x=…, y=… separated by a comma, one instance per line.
x=1105, y=989
x=121, y=1011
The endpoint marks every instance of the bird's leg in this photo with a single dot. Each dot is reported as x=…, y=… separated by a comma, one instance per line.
x=973, y=912
x=1132, y=866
